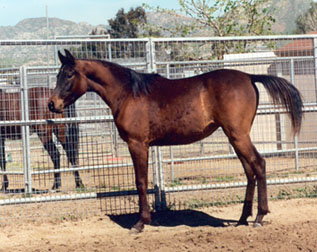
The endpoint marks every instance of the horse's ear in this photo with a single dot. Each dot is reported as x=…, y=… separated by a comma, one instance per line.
x=69, y=55
x=61, y=57
x=68, y=59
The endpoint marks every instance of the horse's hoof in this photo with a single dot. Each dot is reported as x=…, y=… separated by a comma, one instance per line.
x=4, y=187
x=80, y=185
x=56, y=189
x=138, y=227
x=135, y=231
x=256, y=225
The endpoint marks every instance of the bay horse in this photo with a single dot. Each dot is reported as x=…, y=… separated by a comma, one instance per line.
x=149, y=110
x=68, y=136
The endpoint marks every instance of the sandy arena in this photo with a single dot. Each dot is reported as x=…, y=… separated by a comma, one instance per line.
x=291, y=226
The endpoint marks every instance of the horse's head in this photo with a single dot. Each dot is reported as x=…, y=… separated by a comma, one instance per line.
x=70, y=84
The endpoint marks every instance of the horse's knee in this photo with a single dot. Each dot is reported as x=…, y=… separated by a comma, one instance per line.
x=141, y=186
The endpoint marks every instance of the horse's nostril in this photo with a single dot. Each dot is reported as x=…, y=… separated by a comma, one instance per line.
x=51, y=106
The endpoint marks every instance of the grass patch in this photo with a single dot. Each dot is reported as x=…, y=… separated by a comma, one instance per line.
x=176, y=182
x=197, y=203
x=298, y=192
x=224, y=179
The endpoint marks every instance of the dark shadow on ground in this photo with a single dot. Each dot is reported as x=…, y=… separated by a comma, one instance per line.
x=191, y=218
x=22, y=190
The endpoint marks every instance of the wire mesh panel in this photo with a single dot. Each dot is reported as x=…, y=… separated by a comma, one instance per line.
x=11, y=144
x=77, y=161
x=191, y=171
x=71, y=156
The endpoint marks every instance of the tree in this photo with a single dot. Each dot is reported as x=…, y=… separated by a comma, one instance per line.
x=126, y=25
x=223, y=17
x=307, y=22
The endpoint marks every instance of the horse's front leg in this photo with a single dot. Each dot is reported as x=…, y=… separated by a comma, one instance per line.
x=139, y=153
x=49, y=145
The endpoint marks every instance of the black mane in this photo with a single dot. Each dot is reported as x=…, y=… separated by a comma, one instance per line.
x=139, y=83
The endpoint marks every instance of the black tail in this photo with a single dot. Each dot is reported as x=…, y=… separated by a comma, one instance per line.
x=283, y=92
x=72, y=137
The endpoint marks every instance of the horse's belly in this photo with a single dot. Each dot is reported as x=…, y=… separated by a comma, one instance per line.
x=183, y=136
x=175, y=140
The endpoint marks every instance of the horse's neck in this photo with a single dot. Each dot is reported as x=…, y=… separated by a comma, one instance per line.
x=106, y=84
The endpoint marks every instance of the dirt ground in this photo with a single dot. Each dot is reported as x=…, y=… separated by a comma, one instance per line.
x=291, y=226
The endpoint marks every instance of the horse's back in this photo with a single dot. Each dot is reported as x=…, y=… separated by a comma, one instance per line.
x=221, y=91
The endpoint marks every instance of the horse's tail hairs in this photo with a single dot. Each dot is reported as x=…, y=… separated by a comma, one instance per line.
x=284, y=93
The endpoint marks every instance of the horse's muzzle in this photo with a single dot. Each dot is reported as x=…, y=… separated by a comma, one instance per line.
x=52, y=108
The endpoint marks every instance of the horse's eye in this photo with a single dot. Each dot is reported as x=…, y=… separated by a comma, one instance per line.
x=70, y=75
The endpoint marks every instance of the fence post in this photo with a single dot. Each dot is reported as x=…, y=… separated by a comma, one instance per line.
x=159, y=181
x=157, y=193
x=109, y=52
x=150, y=56
x=172, y=163
x=315, y=65
x=25, y=131
x=295, y=137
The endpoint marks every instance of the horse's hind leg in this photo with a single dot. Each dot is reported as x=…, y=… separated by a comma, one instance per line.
x=139, y=153
x=248, y=201
x=5, y=182
x=254, y=166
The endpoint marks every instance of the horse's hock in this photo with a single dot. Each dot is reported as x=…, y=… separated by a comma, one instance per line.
x=186, y=176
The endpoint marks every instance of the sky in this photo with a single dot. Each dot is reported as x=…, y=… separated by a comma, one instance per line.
x=91, y=11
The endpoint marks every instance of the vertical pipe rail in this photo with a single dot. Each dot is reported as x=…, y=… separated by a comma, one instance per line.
x=315, y=64
x=150, y=56
x=171, y=147
x=295, y=137
x=25, y=132
x=161, y=179
x=157, y=203
x=172, y=163
x=109, y=52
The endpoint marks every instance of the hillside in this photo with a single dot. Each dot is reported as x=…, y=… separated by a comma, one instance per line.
x=286, y=13
x=35, y=28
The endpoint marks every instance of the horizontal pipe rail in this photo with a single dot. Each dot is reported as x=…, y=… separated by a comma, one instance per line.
x=230, y=156
x=237, y=184
x=74, y=196
x=242, y=61
x=180, y=39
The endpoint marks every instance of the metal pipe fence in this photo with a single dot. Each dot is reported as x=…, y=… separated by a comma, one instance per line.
x=206, y=172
